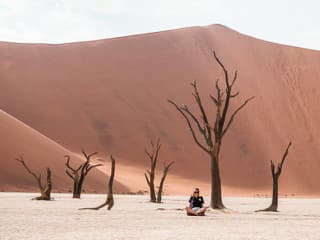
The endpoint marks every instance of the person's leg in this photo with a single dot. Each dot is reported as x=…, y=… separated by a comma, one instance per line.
x=190, y=211
x=202, y=211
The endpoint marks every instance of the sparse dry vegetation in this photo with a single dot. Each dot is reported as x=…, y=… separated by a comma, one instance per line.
x=109, y=201
x=45, y=189
x=153, y=155
x=212, y=133
x=79, y=173
x=275, y=179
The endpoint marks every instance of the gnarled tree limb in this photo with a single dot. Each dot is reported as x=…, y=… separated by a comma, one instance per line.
x=45, y=190
x=109, y=201
x=190, y=126
x=165, y=172
x=234, y=114
x=78, y=174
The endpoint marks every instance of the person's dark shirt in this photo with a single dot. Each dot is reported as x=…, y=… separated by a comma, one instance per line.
x=196, y=201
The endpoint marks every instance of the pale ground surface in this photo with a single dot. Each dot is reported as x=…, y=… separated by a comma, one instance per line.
x=134, y=218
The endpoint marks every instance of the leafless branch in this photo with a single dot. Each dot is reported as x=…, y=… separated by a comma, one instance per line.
x=235, y=113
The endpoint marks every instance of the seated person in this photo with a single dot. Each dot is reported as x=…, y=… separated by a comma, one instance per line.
x=196, y=207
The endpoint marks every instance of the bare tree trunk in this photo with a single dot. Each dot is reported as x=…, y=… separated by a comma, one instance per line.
x=212, y=135
x=216, y=193
x=275, y=187
x=275, y=180
x=76, y=193
x=78, y=174
x=79, y=184
x=153, y=156
x=165, y=172
x=109, y=201
x=45, y=190
x=150, y=183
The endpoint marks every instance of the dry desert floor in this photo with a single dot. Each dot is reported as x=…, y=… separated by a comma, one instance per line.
x=133, y=217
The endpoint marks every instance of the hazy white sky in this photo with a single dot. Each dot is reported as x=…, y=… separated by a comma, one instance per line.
x=290, y=22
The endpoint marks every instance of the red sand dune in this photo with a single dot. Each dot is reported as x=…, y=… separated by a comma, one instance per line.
x=111, y=96
x=38, y=152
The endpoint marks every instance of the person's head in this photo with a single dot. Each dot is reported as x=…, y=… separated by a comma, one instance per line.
x=196, y=192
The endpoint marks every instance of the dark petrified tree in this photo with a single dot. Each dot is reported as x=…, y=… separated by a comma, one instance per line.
x=153, y=156
x=109, y=201
x=165, y=172
x=213, y=134
x=45, y=189
x=275, y=179
x=78, y=174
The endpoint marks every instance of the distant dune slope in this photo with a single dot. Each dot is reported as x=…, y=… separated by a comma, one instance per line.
x=38, y=152
x=111, y=96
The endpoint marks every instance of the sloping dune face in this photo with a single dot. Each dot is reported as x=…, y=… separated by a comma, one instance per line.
x=38, y=152
x=111, y=96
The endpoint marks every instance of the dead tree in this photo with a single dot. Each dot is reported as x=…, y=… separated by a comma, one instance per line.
x=109, y=201
x=78, y=174
x=165, y=172
x=45, y=190
x=213, y=134
x=275, y=179
x=153, y=156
